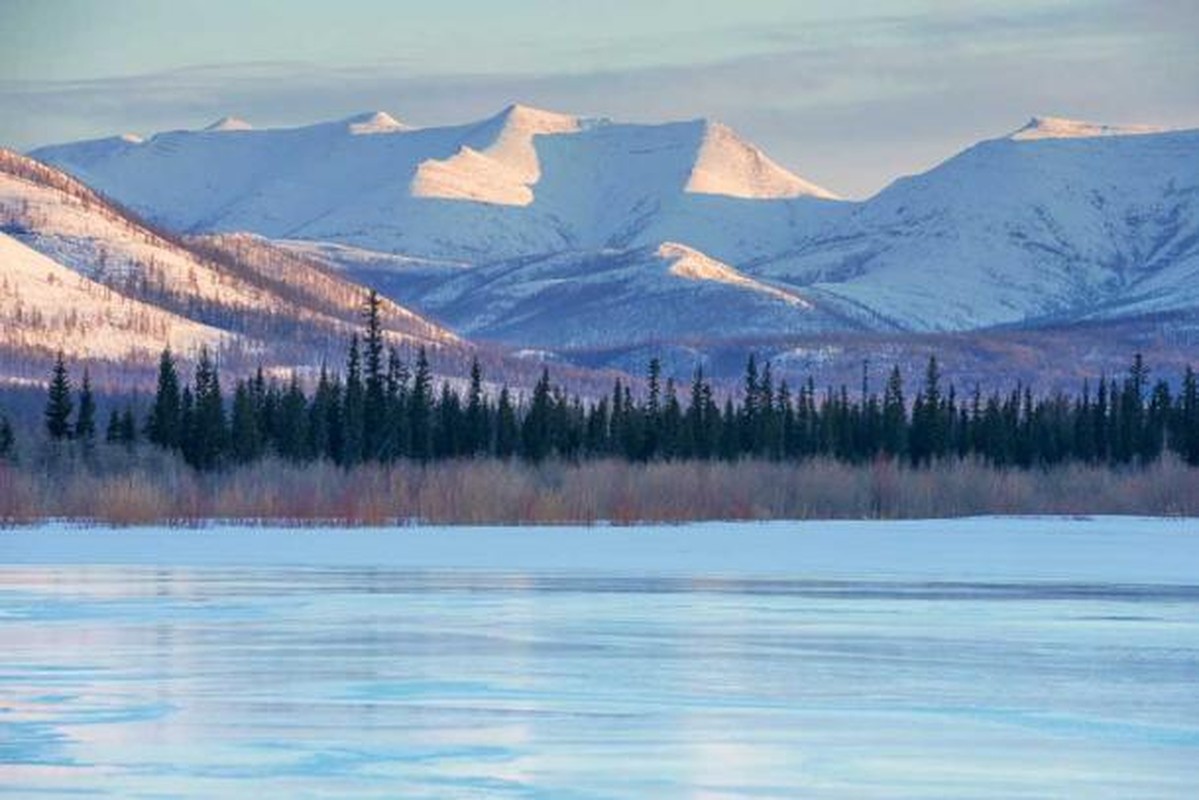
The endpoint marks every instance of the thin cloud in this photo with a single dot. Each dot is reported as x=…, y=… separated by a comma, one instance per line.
x=850, y=106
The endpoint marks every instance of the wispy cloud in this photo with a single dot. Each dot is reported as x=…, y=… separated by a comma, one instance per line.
x=850, y=103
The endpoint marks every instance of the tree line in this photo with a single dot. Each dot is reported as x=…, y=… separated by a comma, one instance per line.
x=381, y=409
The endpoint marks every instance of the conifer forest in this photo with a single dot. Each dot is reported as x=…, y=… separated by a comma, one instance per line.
x=382, y=409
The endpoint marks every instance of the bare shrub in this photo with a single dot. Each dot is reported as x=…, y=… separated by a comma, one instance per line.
x=488, y=491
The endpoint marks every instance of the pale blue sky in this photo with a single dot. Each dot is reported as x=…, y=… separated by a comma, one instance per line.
x=850, y=94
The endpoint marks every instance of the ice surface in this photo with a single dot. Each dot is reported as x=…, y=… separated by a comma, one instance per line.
x=986, y=658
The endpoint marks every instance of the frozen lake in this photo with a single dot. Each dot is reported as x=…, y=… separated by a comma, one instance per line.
x=997, y=658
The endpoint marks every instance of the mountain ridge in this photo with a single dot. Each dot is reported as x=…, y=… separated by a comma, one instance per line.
x=537, y=229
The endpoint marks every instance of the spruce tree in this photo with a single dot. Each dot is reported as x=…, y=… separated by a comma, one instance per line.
x=246, y=445
x=671, y=427
x=207, y=432
x=652, y=437
x=749, y=408
x=894, y=422
x=164, y=426
x=374, y=405
x=112, y=431
x=420, y=409
x=58, y=401
x=507, y=434
x=292, y=440
x=730, y=447
x=596, y=441
x=447, y=440
x=928, y=429
x=395, y=398
x=766, y=430
x=85, y=420
x=1188, y=422
x=475, y=438
x=535, y=432
x=695, y=439
x=128, y=428
x=187, y=414
x=319, y=417
x=352, y=410
x=8, y=440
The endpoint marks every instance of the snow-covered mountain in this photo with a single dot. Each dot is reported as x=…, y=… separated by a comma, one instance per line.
x=45, y=306
x=522, y=182
x=548, y=230
x=618, y=297
x=80, y=273
x=1060, y=221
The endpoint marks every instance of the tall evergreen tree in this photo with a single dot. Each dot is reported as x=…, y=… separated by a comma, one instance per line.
x=164, y=426
x=85, y=420
x=352, y=408
x=128, y=427
x=374, y=407
x=8, y=440
x=507, y=434
x=322, y=418
x=652, y=435
x=246, y=437
x=894, y=423
x=58, y=401
x=1186, y=433
x=476, y=438
x=207, y=433
x=420, y=409
x=293, y=422
x=395, y=401
x=749, y=409
x=926, y=440
x=112, y=430
x=536, y=442
x=448, y=431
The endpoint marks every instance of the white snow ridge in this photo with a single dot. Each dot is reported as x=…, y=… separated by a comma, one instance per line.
x=1061, y=128
x=229, y=124
x=687, y=262
x=547, y=230
x=497, y=163
x=728, y=165
x=373, y=122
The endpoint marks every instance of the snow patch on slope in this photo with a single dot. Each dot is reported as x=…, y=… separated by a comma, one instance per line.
x=84, y=235
x=728, y=165
x=1061, y=128
x=689, y=263
x=370, y=122
x=229, y=124
x=44, y=304
x=498, y=163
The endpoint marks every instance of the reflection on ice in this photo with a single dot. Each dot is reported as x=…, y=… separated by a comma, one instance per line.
x=274, y=681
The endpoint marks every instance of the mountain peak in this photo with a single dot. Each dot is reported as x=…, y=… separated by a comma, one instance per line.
x=229, y=124
x=691, y=264
x=373, y=122
x=1062, y=128
x=728, y=165
x=523, y=115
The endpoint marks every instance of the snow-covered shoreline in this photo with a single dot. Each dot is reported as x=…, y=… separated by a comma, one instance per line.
x=1126, y=550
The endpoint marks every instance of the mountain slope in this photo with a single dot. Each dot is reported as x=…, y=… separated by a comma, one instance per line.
x=45, y=307
x=609, y=298
x=85, y=266
x=543, y=229
x=522, y=182
x=1019, y=230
